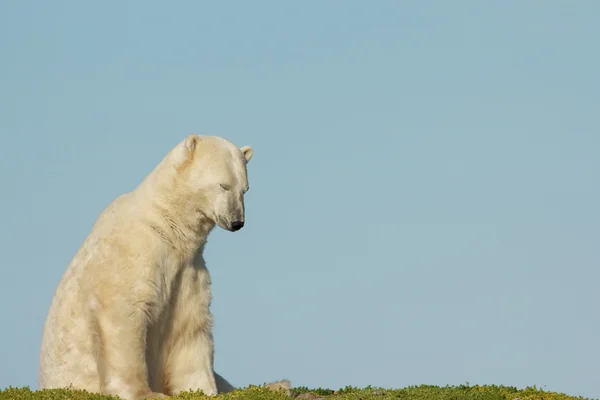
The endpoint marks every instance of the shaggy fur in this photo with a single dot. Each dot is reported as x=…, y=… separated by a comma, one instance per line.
x=130, y=316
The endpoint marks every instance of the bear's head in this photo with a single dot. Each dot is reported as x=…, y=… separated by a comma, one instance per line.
x=212, y=173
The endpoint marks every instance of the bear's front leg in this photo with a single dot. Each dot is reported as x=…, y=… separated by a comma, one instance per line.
x=190, y=364
x=121, y=351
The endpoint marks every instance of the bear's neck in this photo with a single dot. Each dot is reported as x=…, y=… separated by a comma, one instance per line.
x=181, y=227
x=174, y=219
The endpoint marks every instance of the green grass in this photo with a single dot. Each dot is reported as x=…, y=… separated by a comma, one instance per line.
x=423, y=392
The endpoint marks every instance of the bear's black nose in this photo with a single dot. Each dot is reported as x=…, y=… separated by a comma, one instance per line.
x=237, y=225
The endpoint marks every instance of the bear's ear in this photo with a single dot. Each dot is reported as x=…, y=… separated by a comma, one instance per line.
x=247, y=152
x=190, y=143
x=185, y=151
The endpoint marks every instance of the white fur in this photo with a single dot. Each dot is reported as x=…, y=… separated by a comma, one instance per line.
x=131, y=316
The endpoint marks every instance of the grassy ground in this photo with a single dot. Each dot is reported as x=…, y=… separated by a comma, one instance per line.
x=424, y=392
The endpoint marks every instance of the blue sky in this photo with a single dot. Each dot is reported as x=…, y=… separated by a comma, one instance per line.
x=424, y=188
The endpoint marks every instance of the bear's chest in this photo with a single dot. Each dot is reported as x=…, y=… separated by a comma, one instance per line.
x=185, y=291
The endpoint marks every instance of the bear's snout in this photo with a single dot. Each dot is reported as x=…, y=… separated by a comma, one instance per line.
x=237, y=225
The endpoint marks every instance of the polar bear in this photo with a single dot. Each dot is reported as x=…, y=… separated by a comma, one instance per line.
x=130, y=316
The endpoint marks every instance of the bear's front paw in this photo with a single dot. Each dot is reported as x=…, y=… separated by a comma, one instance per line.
x=152, y=395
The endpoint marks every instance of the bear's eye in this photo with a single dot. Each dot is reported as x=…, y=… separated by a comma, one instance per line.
x=225, y=187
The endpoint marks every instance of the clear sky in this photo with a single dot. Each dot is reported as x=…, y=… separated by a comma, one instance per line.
x=424, y=188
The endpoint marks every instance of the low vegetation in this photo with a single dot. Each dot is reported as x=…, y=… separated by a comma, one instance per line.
x=423, y=392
